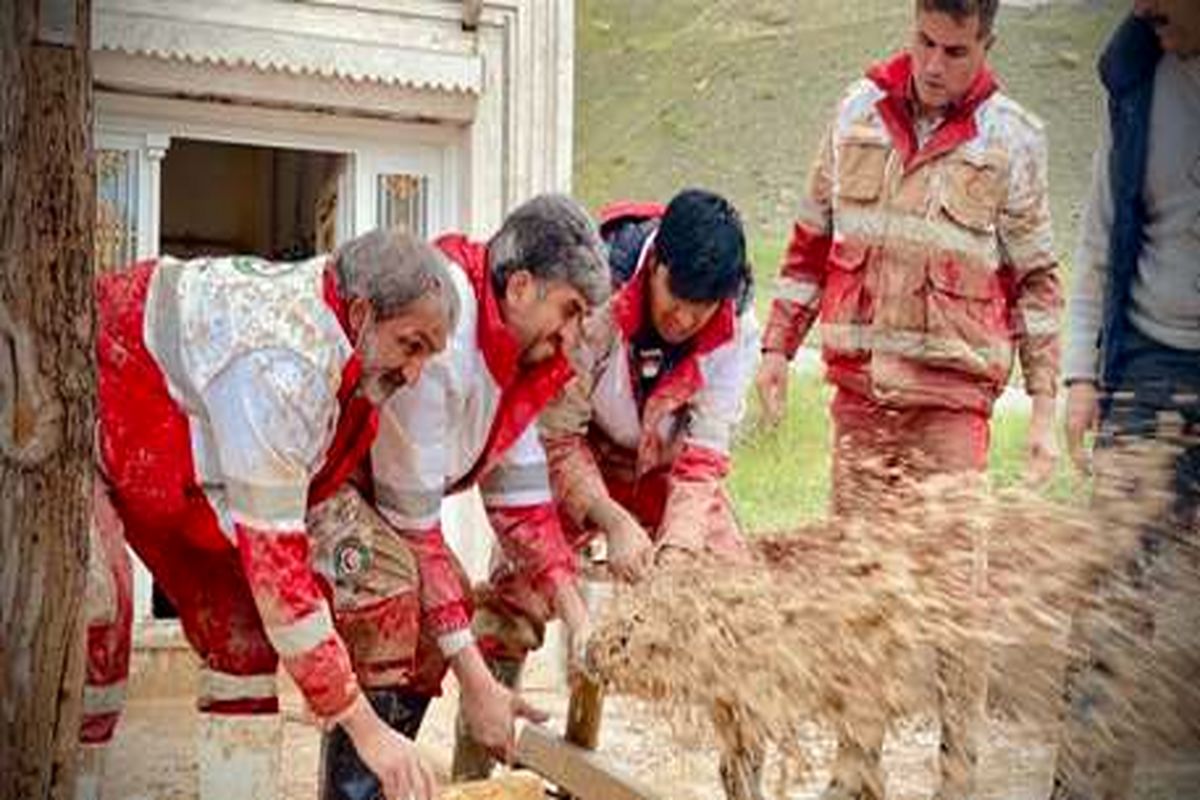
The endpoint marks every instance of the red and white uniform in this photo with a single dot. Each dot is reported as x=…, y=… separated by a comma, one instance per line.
x=469, y=420
x=925, y=253
x=666, y=462
x=108, y=614
x=226, y=406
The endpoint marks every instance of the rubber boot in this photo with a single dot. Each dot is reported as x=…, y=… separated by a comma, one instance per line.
x=239, y=756
x=472, y=762
x=962, y=695
x=343, y=774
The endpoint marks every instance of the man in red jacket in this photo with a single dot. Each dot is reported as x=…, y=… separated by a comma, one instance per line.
x=470, y=423
x=639, y=441
x=232, y=395
x=923, y=251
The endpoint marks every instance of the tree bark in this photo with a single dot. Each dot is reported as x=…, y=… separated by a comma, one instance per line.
x=46, y=387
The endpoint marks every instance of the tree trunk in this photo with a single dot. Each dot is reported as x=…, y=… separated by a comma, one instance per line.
x=46, y=387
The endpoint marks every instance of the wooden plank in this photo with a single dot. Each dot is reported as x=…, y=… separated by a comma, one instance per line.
x=585, y=774
x=515, y=786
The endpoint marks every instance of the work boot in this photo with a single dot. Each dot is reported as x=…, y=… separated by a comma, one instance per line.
x=472, y=761
x=344, y=776
x=239, y=756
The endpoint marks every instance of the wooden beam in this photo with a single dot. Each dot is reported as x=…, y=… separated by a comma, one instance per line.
x=516, y=786
x=585, y=712
x=586, y=775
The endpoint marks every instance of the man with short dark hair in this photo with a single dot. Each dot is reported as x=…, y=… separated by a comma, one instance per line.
x=469, y=422
x=1133, y=369
x=924, y=247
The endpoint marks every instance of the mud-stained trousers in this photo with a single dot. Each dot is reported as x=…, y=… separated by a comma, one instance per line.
x=108, y=617
x=374, y=581
x=876, y=449
x=1147, y=467
x=373, y=584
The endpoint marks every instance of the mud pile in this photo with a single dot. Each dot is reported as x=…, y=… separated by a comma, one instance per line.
x=842, y=620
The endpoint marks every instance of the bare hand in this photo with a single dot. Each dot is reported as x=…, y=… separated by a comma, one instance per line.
x=490, y=708
x=391, y=756
x=629, y=546
x=1042, y=447
x=772, y=383
x=629, y=549
x=1083, y=414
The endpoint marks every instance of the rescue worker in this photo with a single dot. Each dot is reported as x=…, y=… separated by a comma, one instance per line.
x=1132, y=369
x=925, y=250
x=469, y=422
x=639, y=442
x=232, y=395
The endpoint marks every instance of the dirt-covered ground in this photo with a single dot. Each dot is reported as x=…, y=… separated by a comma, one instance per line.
x=153, y=754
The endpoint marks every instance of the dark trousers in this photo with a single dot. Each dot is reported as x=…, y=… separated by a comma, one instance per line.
x=344, y=775
x=1148, y=488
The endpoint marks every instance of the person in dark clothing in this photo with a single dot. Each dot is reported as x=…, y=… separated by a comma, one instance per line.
x=1132, y=367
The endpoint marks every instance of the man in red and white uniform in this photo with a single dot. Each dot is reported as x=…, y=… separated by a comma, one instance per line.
x=639, y=442
x=924, y=253
x=470, y=422
x=232, y=395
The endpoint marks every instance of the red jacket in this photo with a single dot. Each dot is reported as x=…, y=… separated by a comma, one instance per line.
x=665, y=462
x=190, y=347
x=469, y=421
x=927, y=259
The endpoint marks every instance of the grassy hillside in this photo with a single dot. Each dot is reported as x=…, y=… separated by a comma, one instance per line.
x=733, y=94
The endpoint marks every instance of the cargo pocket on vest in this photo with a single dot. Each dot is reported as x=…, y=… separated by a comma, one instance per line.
x=972, y=190
x=861, y=164
x=846, y=303
x=966, y=320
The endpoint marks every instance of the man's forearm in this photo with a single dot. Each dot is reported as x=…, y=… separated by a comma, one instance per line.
x=470, y=669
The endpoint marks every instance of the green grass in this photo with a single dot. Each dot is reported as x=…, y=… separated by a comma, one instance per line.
x=734, y=94
x=780, y=477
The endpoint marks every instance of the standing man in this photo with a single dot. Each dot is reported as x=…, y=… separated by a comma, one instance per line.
x=639, y=441
x=924, y=248
x=1133, y=361
x=470, y=422
x=232, y=395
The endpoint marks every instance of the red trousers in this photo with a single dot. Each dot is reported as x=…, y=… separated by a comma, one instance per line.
x=145, y=452
x=879, y=451
x=108, y=613
x=872, y=442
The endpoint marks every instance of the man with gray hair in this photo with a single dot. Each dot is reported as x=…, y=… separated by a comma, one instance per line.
x=233, y=394
x=470, y=422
